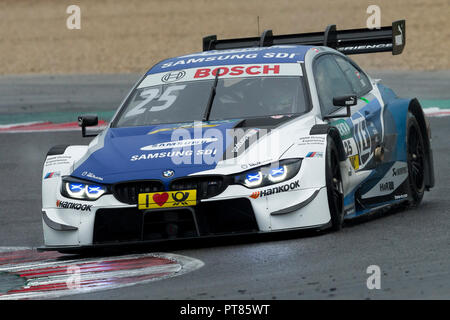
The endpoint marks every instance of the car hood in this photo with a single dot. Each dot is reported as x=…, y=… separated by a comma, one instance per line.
x=140, y=153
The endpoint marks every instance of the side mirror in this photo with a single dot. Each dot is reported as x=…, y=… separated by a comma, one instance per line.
x=345, y=101
x=88, y=120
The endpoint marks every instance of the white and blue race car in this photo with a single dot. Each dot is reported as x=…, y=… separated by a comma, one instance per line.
x=251, y=135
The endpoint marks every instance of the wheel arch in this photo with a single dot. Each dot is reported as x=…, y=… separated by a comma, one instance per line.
x=415, y=108
x=332, y=132
x=58, y=149
x=399, y=109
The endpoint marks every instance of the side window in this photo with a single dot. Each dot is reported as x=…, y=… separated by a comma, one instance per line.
x=330, y=82
x=360, y=83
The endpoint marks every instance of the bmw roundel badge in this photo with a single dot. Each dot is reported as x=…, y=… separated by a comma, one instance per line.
x=168, y=173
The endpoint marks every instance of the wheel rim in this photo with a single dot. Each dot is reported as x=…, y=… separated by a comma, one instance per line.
x=415, y=158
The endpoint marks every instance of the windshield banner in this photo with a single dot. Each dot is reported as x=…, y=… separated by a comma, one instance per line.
x=225, y=72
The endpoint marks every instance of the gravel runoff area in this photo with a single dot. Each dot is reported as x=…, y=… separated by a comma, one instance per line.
x=130, y=36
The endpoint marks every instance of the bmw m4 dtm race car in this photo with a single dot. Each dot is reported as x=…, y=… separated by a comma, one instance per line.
x=252, y=135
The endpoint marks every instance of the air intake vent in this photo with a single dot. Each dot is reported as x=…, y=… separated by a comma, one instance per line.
x=206, y=186
x=128, y=192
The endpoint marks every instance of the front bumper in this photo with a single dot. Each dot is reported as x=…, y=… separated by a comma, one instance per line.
x=109, y=222
x=141, y=230
x=205, y=219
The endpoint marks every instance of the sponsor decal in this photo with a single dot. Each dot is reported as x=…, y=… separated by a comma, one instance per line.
x=343, y=128
x=366, y=47
x=275, y=190
x=238, y=70
x=171, y=154
x=400, y=196
x=179, y=144
x=57, y=160
x=91, y=175
x=399, y=171
x=362, y=138
x=350, y=102
x=254, y=164
x=354, y=160
x=173, y=76
x=239, y=55
x=50, y=175
x=391, y=181
x=311, y=140
x=170, y=199
x=314, y=154
x=387, y=186
x=349, y=211
x=73, y=205
x=255, y=195
x=232, y=71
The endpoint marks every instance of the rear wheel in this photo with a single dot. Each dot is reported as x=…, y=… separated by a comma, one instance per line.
x=335, y=190
x=415, y=152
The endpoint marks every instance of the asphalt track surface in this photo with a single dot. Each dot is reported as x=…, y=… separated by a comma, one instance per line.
x=411, y=247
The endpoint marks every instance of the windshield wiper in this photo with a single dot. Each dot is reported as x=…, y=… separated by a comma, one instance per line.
x=211, y=97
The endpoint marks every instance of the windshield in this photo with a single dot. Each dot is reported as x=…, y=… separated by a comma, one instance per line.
x=236, y=98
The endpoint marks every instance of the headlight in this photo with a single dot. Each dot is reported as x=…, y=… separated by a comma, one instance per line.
x=83, y=190
x=269, y=174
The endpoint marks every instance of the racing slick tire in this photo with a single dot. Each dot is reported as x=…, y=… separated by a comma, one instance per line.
x=415, y=153
x=335, y=190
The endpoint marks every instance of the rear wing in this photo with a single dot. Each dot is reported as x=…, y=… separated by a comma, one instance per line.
x=351, y=41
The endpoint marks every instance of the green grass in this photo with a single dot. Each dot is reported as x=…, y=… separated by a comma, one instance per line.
x=442, y=104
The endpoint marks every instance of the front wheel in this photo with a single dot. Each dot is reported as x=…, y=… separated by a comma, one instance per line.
x=335, y=190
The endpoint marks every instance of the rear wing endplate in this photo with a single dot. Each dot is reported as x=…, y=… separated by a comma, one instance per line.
x=352, y=41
